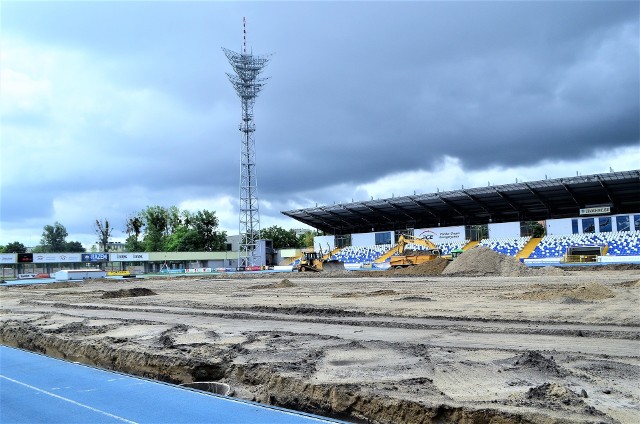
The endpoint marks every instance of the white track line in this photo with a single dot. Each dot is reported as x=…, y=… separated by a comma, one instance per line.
x=68, y=400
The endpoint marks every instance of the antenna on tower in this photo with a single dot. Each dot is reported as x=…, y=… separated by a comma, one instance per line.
x=244, y=34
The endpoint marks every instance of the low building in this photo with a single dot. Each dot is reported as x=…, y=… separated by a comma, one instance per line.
x=79, y=274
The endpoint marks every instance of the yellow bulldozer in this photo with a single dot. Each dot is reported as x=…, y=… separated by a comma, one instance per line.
x=403, y=257
x=315, y=262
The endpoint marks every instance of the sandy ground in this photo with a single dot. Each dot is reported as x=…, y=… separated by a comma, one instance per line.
x=378, y=347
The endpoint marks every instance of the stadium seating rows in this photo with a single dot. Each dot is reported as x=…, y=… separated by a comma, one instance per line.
x=621, y=243
x=445, y=248
x=361, y=254
x=506, y=246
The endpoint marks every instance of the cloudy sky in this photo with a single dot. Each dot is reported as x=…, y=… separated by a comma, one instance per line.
x=109, y=107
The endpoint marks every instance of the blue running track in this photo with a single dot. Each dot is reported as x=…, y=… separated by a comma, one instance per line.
x=38, y=389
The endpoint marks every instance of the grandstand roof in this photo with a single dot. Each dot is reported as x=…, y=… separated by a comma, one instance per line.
x=526, y=201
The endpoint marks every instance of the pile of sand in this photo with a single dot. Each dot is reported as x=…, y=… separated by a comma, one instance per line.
x=368, y=294
x=434, y=267
x=135, y=292
x=533, y=359
x=551, y=393
x=481, y=261
x=285, y=283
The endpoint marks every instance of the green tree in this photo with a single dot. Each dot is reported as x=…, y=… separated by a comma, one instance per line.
x=156, y=227
x=281, y=238
x=134, y=227
x=196, y=233
x=306, y=239
x=132, y=244
x=53, y=238
x=74, y=247
x=14, y=247
x=205, y=223
x=103, y=230
x=171, y=230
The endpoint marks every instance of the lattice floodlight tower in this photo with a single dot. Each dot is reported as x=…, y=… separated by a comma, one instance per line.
x=247, y=68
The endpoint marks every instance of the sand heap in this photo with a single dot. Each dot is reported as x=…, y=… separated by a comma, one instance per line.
x=434, y=267
x=481, y=261
x=134, y=292
x=285, y=283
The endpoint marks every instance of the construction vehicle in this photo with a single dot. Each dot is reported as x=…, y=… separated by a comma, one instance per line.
x=455, y=253
x=312, y=261
x=403, y=257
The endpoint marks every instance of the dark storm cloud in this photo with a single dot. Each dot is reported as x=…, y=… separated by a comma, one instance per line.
x=489, y=83
x=357, y=90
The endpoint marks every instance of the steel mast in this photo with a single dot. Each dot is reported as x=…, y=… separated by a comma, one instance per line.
x=247, y=68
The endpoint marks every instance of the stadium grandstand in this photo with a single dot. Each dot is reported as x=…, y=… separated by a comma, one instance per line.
x=594, y=216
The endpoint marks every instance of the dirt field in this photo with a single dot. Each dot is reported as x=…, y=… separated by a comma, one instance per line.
x=382, y=347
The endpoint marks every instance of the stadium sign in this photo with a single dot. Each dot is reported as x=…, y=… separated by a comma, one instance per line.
x=118, y=273
x=596, y=211
x=8, y=258
x=95, y=257
x=128, y=257
x=441, y=234
x=54, y=258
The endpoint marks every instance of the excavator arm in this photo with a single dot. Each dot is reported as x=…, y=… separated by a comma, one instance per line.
x=405, y=240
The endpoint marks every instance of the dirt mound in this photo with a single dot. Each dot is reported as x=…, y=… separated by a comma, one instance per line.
x=134, y=292
x=535, y=360
x=434, y=267
x=285, y=283
x=415, y=299
x=589, y=291
x=481, y=261
x=167, y=338
x=368, y=294
x=555, y=393
x=629, y=284
x=554, y=396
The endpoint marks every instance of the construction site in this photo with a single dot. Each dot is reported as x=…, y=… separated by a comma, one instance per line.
x=442, y=307
x=480, y=339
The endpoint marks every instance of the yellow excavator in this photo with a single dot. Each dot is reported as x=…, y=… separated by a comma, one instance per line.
x=315, y=262
x=403, y=257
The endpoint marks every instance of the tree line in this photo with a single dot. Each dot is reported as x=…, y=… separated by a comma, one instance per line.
x=160, y=229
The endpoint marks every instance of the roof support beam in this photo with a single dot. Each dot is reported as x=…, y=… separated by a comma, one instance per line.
x=425, y=207
x=377, y=211
x=401, y=209
x=538, y=197
x=606, y=189
x=573, y=197
x=360, y=214
x=338, y=217
x=478, y=201
x=450, y=204
x=508, y=201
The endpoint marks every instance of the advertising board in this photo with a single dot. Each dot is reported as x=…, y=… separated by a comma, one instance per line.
x=8, y=258
x=441, y=234
x=197, y=270
x=600, y=210
x=54, y=258
x=128, y=257
x=95, y=257
x=118, y=273
x=25, y=258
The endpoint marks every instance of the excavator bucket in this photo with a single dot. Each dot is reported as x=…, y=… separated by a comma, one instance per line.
x=333, y=266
